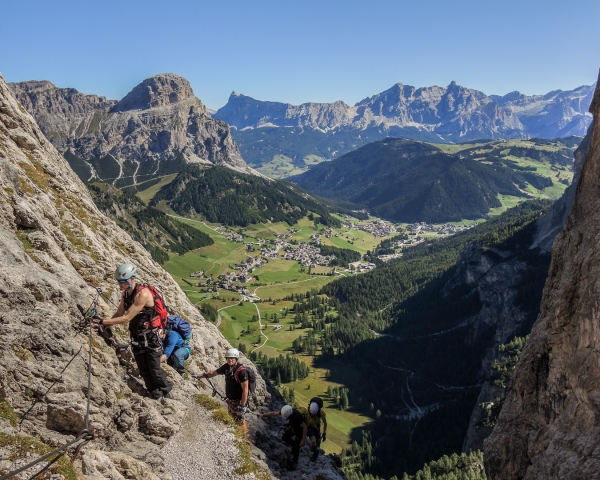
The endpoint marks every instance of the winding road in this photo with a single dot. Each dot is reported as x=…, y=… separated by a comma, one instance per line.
x=195, y=221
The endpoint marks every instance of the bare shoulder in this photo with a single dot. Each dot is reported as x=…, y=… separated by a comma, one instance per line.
x=144, y=297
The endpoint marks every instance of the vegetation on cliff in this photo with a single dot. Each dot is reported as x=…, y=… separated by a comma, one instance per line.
x=156, y=231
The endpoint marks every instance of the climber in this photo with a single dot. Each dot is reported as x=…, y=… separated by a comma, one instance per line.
x=176, y=350
x=142, y=308
x=313, y=417
x=239, y=384
x=295, y=433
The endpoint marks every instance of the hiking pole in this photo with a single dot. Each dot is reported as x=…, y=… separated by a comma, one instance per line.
x=215, y=391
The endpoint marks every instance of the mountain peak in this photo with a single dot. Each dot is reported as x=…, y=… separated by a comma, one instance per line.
x=34, y=86
x=156, y=91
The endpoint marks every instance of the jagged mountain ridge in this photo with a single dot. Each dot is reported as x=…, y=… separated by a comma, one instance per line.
x=436, y=114
x=156, y=127
x=55, y=245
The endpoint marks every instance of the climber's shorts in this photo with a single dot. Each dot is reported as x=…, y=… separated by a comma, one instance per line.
x=237, y=416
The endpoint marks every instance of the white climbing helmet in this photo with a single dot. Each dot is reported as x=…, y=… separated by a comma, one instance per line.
x=286, y=411
x=232, y=353
x=125, y=271
x=313, y=408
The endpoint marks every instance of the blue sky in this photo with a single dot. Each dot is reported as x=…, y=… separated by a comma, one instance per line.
x=300, y=51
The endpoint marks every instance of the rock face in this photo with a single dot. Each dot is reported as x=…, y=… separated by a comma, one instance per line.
x=150, y=132
x=497, y=275
x=549, y=425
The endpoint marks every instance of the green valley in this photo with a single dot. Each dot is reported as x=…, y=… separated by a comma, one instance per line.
x=312, y=296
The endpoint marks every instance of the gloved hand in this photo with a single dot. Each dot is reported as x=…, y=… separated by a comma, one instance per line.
x=323, y=437
x=242, y=409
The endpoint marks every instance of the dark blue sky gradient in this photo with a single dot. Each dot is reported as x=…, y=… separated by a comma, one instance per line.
x=300, y=51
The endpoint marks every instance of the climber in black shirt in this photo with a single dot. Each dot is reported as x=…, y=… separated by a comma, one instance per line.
x=295, y=434
x=236, y=386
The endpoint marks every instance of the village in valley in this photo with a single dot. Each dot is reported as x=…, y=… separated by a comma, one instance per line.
x=249, y=281
x=294, y=244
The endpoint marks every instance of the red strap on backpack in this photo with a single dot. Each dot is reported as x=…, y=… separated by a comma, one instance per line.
x=160, y=309
x=237, y=373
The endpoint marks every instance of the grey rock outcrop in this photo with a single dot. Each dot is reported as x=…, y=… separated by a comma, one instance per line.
x=242, y=112
x=154, y=128
x=157, y=91
x=549, y=425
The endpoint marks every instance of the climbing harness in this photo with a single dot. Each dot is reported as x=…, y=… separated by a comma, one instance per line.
x=85, y=433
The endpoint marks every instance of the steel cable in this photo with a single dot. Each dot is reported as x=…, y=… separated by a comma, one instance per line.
x=85, y=434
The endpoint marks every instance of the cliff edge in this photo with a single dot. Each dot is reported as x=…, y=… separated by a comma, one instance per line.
x=549, y=426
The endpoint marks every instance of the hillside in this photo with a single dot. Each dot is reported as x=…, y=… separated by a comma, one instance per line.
x=298, y=135
x=154, y=130
x=223, y=196
x=425, y=330
x=158, y=233
x=409, y=181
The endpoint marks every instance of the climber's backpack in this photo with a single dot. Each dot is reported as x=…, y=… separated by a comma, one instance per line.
x=160, y=308
x=251, y=378
x=181, y=326
x=318, y=401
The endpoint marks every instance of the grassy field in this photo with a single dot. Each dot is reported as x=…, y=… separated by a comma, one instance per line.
x=147, y=195
x=281, y=166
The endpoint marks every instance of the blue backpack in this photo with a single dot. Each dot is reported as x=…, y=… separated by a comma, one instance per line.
x=181, y=326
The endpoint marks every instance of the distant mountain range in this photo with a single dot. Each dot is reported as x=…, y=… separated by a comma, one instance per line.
x=411, y=181
x=155, y=129
x=268, y=131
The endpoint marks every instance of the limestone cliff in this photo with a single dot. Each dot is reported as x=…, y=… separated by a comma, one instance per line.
x=151, y=131
x=549, y=425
